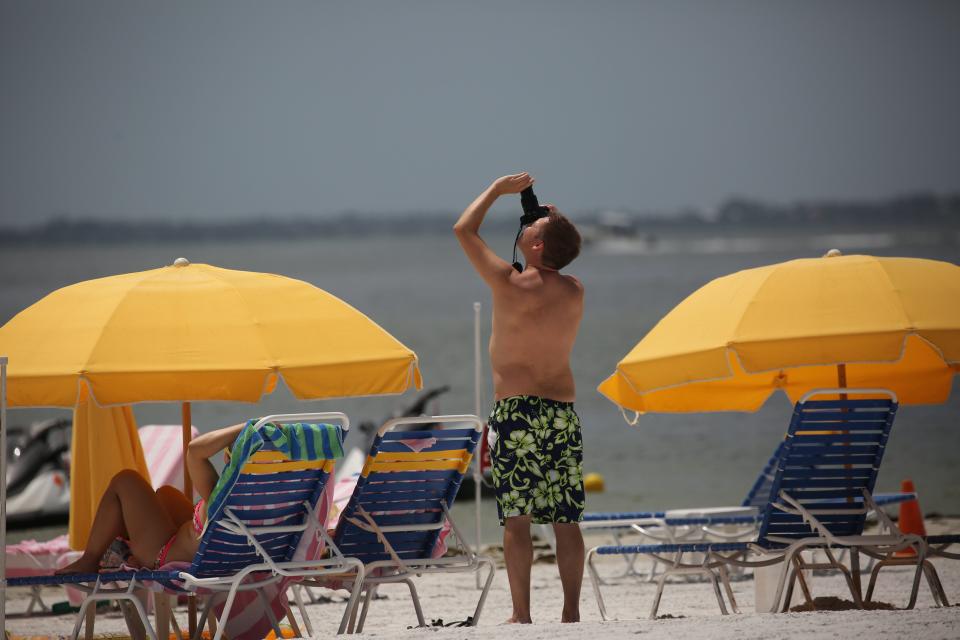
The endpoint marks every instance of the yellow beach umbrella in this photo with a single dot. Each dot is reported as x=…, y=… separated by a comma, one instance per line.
x=879, y=322
x=186, y=333
x=197, y=332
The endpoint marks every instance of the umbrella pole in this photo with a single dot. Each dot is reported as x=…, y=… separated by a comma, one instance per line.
x=478, y=452
x=3, y=491
x=187, y=433
x=187, y=422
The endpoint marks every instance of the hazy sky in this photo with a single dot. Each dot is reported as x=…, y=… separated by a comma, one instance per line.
x=218, y=109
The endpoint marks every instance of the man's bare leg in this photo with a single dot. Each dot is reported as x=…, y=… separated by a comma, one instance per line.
x=518, y=556
x=129, y=507
x=570, y=563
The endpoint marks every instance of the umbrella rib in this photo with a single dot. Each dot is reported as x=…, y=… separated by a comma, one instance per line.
x=911, y=328
x=736, y=329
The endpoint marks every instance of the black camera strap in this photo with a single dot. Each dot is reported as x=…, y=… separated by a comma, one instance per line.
x=516, y=263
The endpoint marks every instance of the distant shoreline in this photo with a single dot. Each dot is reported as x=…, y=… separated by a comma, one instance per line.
x=736, y=215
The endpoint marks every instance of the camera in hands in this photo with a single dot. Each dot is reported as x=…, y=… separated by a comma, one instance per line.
x=532, y=211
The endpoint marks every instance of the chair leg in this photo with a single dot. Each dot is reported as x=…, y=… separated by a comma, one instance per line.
x=204, y=618
x=802, y=581
x=788, y=596
x=486, y=588
x=787, y=563
x=595, y=582
x=368, y=598
x=350, y=613
x=84, y=615
x=725, y=576
x=231, y=595
x=936, y=587
x=851, y=576
x=874, y=572
x=293, y=621
x=211, y=621
x=661, y=581
x=137, y=621
x=716, y=591
x=855, y=571
x=161, y=613
x=177, y=631
x=915, y=590
x=270, y=615
x=416, y=602
x=36, y=599
x=298, y=598
x=134, y=626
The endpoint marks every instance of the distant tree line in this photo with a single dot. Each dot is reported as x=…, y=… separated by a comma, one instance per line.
x=920, y=209
x=913, y=209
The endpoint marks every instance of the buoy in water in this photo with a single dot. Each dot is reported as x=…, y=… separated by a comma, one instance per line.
x=593, y=482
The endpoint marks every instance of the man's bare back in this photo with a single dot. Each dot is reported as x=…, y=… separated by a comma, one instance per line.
x=536, y=315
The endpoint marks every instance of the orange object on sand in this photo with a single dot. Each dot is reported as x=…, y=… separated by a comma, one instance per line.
x=911, y=518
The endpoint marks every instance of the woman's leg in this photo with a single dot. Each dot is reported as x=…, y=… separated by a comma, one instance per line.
x=177, y=506
x=129, y=506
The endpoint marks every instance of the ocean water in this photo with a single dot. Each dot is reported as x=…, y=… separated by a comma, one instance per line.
x=422, y=290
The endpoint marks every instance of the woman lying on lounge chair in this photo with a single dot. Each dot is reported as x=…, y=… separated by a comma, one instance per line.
x=161, y=526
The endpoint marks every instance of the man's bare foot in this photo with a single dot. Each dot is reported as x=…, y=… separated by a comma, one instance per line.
x=570, y=618
x=517, y=620
x=83, y=565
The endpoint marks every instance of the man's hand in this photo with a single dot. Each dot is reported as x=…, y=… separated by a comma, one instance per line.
x=511, y=184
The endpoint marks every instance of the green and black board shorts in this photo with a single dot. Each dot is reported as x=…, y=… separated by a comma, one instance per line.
x=536, y=454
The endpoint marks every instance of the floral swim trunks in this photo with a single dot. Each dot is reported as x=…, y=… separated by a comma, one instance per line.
x=537, y=458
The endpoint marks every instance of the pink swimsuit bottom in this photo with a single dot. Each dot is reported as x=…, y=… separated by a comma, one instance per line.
x=197, y=527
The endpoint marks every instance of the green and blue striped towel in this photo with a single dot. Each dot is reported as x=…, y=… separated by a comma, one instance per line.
x=298, y=441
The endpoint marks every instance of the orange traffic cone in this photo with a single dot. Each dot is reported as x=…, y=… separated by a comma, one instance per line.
x=911, y=518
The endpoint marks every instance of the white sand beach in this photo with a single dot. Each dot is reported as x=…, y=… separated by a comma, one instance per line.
x=687, y=609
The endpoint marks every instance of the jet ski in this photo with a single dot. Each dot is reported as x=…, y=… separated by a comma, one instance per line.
x=38, y=474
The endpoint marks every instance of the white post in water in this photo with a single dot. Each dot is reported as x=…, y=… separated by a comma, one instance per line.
x=3, y=492
x=477, y=386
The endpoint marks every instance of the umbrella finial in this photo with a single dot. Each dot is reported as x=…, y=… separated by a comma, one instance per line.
x=181, y=262
x=833, y=253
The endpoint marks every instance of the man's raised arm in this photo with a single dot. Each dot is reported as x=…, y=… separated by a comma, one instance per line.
x=491, y=267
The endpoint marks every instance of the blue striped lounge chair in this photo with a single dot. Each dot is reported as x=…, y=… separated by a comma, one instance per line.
x=694, y=524
x=263, y=506
x=821, y=493
x=402, y=499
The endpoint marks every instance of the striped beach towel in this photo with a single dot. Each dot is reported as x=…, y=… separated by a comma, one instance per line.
x=163, y=451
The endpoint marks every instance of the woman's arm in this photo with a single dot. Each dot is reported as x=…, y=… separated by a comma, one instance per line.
x=202, y=471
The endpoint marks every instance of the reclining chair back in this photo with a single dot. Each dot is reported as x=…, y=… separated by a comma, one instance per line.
x=831, y=455
x=272, y=495
x=760, y=492
x=408, y=479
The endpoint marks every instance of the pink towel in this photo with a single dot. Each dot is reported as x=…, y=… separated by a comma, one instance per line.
x=163, y=450
x=31, y=558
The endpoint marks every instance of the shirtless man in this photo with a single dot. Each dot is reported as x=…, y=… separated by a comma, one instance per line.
x=538, y=454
